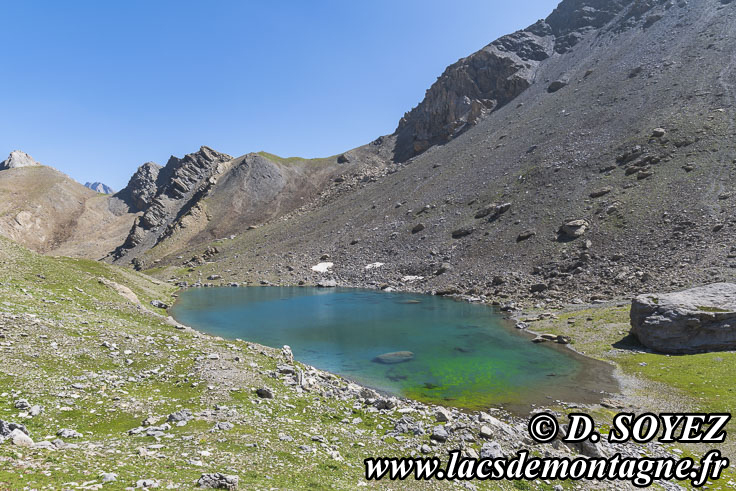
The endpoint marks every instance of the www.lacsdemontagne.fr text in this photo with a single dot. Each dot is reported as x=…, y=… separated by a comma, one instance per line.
x=641, y=472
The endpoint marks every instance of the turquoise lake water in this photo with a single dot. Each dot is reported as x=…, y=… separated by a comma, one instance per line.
x=465, y=355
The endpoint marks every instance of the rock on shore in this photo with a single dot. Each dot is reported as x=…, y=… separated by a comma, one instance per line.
x=692, y=321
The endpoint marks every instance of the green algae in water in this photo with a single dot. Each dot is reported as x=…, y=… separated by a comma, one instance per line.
x=464, y=354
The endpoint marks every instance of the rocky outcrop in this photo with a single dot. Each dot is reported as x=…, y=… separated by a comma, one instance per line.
x=692, y=321
x=490, y=78
x=18, y=159
x=141, y=188
x=472, y=87
x=99, y=187
x=582, y=15
x=180, y=185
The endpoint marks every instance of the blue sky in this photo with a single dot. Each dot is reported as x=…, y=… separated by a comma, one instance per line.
x=97, y=88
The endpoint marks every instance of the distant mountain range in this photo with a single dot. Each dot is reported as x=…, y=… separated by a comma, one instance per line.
x=99, y=187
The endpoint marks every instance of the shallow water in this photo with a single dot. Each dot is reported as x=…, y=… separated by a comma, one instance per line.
x=465, y=355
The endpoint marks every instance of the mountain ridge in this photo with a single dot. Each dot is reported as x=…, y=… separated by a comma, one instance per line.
x=618, y=121
x=618, y=67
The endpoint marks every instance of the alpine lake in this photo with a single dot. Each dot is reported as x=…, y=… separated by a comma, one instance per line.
x=428, y=348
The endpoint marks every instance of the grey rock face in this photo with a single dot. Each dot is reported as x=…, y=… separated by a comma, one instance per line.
x=218, y=481
x=18, y=159
x=177, y=187
x=470, y=88
x=692, y=321
x=576, y=15
x=497, y=74
x=142, y=187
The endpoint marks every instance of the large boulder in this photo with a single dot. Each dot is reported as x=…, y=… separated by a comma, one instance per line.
x=573, y=229
x=218, y=481
x=692, y=321
x=6, y=428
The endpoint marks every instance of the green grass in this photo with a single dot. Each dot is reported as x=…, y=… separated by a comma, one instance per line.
x=701, y=382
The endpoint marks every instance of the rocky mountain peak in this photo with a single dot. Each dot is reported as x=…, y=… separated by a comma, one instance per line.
x=164, y=193
x=490, y=78
x=18, y=159
x=142, y=187
x=472, y=87
x=575, y=15
x=99, y=187
x=180, y=174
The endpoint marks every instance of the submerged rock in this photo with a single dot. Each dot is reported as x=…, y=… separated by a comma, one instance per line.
x=395, y=357
x=692, y=321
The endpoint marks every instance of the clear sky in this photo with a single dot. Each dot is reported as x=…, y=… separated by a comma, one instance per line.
x=96, y=88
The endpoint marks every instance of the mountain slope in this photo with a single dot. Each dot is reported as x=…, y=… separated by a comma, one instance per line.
x=208, y=195
x=588, y=155
x=636, y=141
x=49, y=212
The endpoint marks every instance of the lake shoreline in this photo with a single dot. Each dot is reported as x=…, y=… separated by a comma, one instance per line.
x=603, y=373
